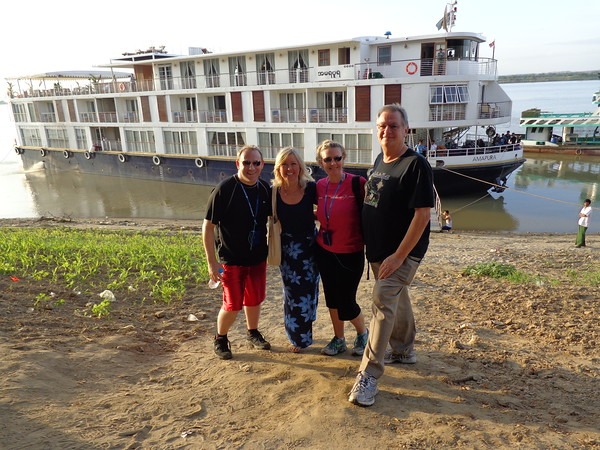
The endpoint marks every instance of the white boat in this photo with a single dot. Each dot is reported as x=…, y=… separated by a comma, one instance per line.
x=579, y=135
x=181, y=118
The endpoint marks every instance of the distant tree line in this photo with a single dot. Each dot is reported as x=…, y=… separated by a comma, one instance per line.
x=549, y=76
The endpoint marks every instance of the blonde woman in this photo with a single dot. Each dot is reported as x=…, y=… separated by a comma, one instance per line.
x=295, y=199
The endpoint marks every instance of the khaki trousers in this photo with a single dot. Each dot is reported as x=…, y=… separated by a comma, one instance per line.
x=393, y=320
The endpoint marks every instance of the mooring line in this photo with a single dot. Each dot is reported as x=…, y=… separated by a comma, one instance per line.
x=511, y=189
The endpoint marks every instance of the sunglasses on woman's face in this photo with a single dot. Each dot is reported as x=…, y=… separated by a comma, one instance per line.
x=328, y=159
x=247, y=163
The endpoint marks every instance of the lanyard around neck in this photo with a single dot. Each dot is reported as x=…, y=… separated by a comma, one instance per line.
x=253, y=211
x=330, y=207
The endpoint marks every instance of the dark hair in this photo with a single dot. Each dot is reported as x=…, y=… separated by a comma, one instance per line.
x=587, y=200
x=249, y=148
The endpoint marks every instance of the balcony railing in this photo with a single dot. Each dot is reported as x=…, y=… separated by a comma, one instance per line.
x=406, y=68
x=494, y=110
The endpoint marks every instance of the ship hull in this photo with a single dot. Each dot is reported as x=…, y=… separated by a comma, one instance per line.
x=212, y=170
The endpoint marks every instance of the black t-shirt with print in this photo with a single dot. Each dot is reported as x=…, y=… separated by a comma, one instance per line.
x=393, y=191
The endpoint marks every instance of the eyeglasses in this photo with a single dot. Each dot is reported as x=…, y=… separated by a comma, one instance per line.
x=328, y=159
x=247, y=163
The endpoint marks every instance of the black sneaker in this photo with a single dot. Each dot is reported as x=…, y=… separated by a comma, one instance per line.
x=257, y=340
x=222, y=348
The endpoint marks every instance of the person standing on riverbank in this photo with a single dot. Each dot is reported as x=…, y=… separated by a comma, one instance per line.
x=296, y=195
x=584, y=223
x=395, y=218
x=236, y=224
x=340, y=250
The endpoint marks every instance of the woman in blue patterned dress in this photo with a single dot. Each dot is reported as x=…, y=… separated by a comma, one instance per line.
x=296, y=195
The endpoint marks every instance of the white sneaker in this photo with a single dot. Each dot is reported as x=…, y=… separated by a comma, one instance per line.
x=391, y=357
x=364, y=390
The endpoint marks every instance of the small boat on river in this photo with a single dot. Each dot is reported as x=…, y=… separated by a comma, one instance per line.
x=182, y=118
x=580, y=131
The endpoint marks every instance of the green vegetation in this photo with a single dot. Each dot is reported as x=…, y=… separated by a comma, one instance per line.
x=162, y=265
x=550, y=76
x=586, y=275
x=503, y=271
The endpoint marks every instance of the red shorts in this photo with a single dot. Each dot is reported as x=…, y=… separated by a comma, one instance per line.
x=244, y=286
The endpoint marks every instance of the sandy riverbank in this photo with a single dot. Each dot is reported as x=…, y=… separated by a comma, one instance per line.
x=499, y=365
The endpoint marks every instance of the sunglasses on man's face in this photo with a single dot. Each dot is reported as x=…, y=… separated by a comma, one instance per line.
x=328, y=159
x=247, y=163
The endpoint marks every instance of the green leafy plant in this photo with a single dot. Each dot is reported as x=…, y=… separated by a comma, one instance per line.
x=102, y=309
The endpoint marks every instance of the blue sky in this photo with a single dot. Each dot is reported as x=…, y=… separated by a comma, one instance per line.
x=530, y=35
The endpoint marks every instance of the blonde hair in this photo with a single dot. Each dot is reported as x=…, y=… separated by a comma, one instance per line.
x=303, y=176
x=329, y=144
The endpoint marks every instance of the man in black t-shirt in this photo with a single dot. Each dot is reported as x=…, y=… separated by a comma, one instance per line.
x=395, y=217
x=235, y=226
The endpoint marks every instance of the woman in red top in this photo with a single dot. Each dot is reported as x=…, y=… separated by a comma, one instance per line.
x=340, y=250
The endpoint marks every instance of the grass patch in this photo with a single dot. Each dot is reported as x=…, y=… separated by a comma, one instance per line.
x=163, y=264
x=499, y=271
x=585, y=275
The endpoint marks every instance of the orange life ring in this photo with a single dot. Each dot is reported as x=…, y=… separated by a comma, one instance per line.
x=411, y=68
x=122, y=87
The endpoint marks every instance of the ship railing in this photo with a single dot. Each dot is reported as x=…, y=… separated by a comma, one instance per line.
x=217, y=116
x=447, y=111
x=494, y=110
x=288, y=115
x=107, y=117
x=222, y=150
x=131, y=116
x=359, y=155
x=328, y=115
x=442, y=152
x=405, y=68
x=48, y=117
x=426, y=67
x=88, y=117
x=111, y=145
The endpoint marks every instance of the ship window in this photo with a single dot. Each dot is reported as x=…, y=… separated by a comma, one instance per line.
x=449, y=94
x=81, y=138
x=463, y=48
x=211, y=72
x=140, y=141
x=31, y=137
x=358, y=145
x=298, y=66
x=225, y=143
x=165, y=75
x=384, y=55
x=265, y=69
x=57, y=137
x=237, y=71
x=344, y=55
x=271, y=143
x=180, y=142
x=188, y=74
x=324, y=57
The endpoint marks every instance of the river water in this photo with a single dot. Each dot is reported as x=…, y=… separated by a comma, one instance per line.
x=544, y=195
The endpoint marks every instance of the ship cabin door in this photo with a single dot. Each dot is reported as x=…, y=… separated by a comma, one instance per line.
x=427, y=56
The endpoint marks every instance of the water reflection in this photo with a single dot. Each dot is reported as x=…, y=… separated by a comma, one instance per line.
x=544, y=195
x=559, y=172
x=487, y=213
x=82, y=195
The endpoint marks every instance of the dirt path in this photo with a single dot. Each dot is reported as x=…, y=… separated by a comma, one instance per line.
x=499, y=365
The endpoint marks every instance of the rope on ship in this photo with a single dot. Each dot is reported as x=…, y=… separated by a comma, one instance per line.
x=502, y=188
